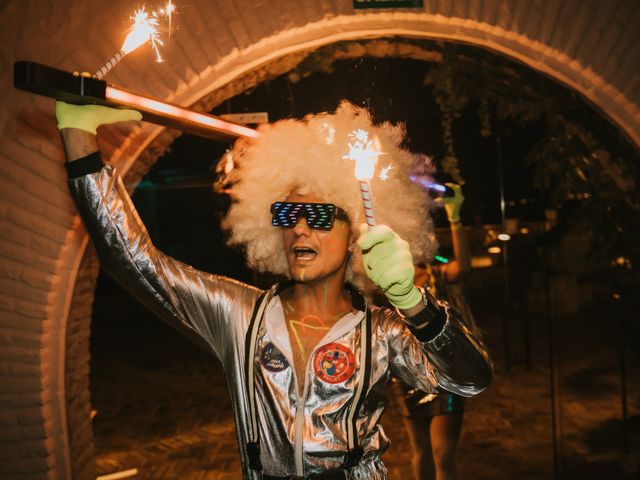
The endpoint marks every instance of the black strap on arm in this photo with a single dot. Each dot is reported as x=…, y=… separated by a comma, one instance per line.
x=92, y=163
x=430, y=321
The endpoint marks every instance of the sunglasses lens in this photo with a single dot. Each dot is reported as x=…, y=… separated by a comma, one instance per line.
x=285, y=214
x=318, y=215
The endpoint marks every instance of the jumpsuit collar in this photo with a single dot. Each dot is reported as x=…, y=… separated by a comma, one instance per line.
x=276, y=326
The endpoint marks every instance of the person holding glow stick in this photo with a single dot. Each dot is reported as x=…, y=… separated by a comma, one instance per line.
x=434, y=422
x=307, y=360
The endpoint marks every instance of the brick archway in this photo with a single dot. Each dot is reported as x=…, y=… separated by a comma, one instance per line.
x=220, y=49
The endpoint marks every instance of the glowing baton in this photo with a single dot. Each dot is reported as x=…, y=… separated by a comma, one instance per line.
x=440, y=190
x=51, y=82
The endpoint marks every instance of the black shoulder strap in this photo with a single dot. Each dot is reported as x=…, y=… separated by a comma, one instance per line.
x=253, y=446
x=356, y=451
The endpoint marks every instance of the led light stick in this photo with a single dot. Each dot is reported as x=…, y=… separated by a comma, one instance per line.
x=438, y=189
x=365, y=154
x=142, y=30
x=51, y=82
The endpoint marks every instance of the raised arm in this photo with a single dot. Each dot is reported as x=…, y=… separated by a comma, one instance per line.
x=457, y=357
x=199, y=304
x=461, y=263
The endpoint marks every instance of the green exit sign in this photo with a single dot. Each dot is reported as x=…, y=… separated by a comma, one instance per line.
x=363, y=4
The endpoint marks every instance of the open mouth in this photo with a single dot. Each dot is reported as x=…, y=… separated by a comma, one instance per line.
x=304, y=253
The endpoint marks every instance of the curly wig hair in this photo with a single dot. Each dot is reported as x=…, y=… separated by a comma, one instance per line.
x=307, y=156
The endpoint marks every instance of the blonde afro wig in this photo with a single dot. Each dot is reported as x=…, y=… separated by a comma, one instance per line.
x=307, y=155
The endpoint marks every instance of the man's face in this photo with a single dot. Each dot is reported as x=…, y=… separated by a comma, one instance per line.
x=315, y=254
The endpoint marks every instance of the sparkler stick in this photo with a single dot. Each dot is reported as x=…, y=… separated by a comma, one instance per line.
x=143, y=30
x=112, y=62
x=367, y=201
x=365, y=152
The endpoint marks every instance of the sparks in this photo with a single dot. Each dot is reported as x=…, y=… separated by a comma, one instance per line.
x=384, y=173
x=329, y=131
x=365, y=152
x=167, y=11
x=228, y=162
x=143, y=29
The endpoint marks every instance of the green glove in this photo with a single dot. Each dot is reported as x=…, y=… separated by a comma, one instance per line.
x=90, y=117
x=452, y=204
x=388, y=263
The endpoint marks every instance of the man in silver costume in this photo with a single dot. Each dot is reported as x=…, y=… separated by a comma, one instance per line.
x=307, y=360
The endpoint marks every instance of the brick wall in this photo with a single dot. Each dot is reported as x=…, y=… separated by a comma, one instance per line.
x=219, y=49
x=78, y=401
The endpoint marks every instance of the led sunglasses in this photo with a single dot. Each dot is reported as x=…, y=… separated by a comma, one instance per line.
x=318, y=215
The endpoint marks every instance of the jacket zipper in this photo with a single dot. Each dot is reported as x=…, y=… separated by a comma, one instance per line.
x=299, y=420
x=299, y=433
x=298, y=437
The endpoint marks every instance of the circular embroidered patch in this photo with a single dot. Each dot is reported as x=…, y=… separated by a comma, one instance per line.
x=272, y=359
x=334, y=363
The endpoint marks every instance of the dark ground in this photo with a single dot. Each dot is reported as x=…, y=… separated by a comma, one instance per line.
x=163, y=407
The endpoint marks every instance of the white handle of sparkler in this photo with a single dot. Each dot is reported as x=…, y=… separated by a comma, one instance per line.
x=367, y=201
x=112, y=62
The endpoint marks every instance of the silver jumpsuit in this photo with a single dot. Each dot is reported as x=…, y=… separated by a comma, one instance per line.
x=298, y=436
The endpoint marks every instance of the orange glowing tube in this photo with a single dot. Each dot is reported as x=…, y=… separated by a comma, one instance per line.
x=175, y=116
x=43, y=80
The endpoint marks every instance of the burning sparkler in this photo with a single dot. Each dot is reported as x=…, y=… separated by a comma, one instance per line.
x=168, y=11
x=365, y=152
x=143, y=29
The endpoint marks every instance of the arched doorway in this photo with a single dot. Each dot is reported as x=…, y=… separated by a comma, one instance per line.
x=583, y=47
x=374, y=85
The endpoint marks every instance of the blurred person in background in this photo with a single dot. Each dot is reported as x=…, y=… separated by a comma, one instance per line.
x=434, y=420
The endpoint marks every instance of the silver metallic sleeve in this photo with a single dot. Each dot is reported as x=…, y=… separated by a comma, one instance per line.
x=198, y=304
x=459, y=357
x=456, y=354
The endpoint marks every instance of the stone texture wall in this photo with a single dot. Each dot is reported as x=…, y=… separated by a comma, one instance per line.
x=46, y=286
